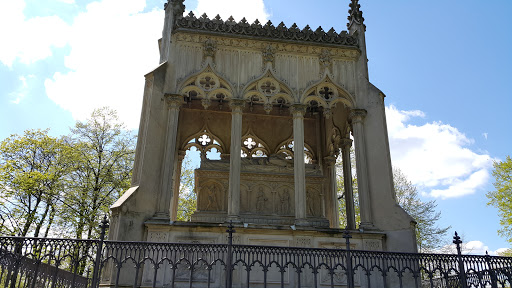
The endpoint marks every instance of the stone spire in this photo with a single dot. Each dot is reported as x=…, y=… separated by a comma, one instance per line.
x=178, y=7
x=355, y=15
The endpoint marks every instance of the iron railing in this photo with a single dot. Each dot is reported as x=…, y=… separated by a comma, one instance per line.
x=35, y=262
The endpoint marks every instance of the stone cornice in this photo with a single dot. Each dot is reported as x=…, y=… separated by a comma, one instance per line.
x=336, y=52
x=346, y=143
x=174, y=101
x=357, y=115
x=268, y=31
x=298, y=110
x=237, y=105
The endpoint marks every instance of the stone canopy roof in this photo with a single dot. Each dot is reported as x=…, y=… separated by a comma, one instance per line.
x=268, y=31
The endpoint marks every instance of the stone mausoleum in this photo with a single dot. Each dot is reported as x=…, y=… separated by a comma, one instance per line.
x=280, y=105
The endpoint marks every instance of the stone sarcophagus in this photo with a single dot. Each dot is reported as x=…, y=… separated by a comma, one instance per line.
x=266, y=192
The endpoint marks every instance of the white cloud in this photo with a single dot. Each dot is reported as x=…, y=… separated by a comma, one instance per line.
x=474, y=247
x=19, y=94
x=113, y=44
x=28, y=40
x=435, y=156
x=250, y=9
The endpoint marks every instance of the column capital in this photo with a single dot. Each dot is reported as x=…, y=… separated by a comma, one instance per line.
x=237, y=105
x=327, y=113
x=330, y=160
x=174, y=101
x=298, y=110
x=357, y=115
x=346, y=143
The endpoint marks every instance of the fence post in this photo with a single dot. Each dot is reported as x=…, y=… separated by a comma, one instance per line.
x=229, y=268
x=492, y=274
x=96, y=273
x=350, y=272
x=462, y=270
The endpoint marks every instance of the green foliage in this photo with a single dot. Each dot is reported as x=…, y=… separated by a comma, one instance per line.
x=506, y=253
x=187, y=202
x=64, y=184
x=101, y=173
x=501, y=197
x=341, y=190
x=32, y=173
x=428, y=235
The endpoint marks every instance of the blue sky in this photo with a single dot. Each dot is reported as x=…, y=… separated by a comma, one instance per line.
x=445, y=67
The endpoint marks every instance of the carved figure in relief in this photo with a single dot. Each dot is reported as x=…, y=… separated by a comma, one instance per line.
x=260, y=200
x=284, y=201
x=310, y=202
x=212, y=198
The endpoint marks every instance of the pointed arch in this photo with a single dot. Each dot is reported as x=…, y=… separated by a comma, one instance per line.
x=268, y=90
x=286, y=148
x=204, y=140
x=327, y=93
x=253, y=146
x=207, y=84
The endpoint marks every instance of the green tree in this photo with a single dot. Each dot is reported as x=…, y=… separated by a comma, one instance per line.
x=102, y=171
x=188, y=200
x=506, y=253
x=32, y=173
x=429, y=235
x=501, y=197
x=341, y=190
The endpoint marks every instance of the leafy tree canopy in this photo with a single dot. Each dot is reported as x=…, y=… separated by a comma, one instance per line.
x=501, y=197
x=63, y=185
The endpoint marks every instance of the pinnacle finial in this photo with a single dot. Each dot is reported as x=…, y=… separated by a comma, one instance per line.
x=355, y=15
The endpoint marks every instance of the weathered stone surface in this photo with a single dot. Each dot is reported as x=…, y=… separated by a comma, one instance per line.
x=278, y=104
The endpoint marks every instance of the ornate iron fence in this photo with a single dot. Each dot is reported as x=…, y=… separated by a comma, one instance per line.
x=34, y=262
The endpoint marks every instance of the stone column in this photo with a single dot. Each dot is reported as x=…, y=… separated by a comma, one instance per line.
x=365, y=209
x=299, y=168
x=235, y=158
x=174, y=103
x=347, y=183
x=176, y=192
x=332, y=197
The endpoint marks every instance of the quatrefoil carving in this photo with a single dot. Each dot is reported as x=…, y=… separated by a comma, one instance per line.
x=268, y=86
x=208, y=81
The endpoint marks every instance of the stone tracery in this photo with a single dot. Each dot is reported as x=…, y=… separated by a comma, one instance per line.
x=208, y=87
x=269, y=92
x=204, y=141
x=326, y=94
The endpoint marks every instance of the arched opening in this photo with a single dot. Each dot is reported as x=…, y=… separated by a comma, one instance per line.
x=341, y=193
x=187, y=201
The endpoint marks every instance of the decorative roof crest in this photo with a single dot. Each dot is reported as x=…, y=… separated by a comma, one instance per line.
x=355, y=15
x=256, y=29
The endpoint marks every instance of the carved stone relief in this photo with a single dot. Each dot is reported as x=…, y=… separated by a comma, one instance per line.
x=336, y=53
x=284, y=206
x=303, y=242
x=262, y=201
x=211, y=196
x=265, y=197
x=313, y=202
x=158, y=237
x=372, y=245
x=210, y=47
